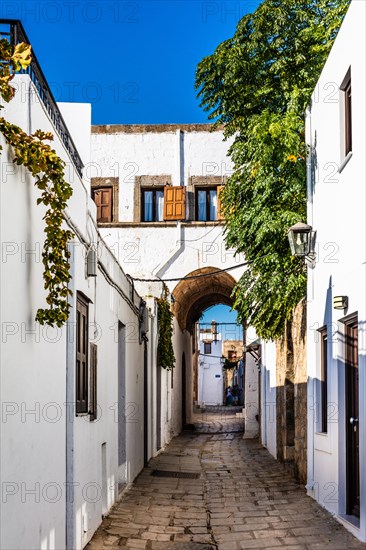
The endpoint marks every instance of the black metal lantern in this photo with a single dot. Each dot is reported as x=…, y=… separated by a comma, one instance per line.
x=300, y=237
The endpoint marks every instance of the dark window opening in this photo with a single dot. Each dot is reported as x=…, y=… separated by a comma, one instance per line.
x=207, y=349
x=324, y=380
x=81, y=355
x=206, y=204
x=347, y=99
x=152, y=205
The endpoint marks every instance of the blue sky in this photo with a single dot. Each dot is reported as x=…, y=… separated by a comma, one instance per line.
x=223, y=314
x=134, y=61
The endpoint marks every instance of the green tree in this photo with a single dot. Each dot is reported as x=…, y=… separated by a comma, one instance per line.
x=258, y=85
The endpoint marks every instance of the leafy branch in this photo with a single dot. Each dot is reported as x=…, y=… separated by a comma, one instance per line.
x=258, y=84
x=47, y=168
x=166, y=358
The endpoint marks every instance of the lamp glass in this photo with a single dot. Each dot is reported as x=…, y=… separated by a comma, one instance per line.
x=299, y=237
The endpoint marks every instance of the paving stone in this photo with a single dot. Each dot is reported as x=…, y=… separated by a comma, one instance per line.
x=242, y=499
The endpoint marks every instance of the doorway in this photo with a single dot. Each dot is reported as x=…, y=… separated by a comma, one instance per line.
x=352, y=416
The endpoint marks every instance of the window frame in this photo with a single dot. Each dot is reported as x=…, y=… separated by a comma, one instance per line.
x=346, y=145
x=209, y=344
x=95, y=190
x=152, y=190
x=323, y=393
x=206, y=189
x=113, y=183
x=81, y=378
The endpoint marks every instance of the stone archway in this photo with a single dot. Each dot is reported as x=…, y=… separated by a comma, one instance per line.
x=193, y=296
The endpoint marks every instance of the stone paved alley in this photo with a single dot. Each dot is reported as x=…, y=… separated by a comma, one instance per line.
x=234, y=495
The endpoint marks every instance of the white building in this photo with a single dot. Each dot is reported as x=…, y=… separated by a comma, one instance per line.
x=158, y=190
x=210, y=362
x=337, y=284
x=77, y=427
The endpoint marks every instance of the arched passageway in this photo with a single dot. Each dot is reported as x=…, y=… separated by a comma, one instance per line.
x=201, y=289
x=193, y=295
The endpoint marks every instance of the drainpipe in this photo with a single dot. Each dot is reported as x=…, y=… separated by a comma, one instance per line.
x=160, y=269
x=70, y=413
x=310, y=379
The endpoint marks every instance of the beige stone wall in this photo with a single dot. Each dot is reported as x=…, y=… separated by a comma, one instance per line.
x=291, y=398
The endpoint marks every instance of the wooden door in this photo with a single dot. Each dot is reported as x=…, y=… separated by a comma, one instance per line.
x=352, y=415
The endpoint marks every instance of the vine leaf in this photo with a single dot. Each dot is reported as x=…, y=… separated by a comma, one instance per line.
x=47, y=168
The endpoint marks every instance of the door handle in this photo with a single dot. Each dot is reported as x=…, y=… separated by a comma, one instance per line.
x=353, y=420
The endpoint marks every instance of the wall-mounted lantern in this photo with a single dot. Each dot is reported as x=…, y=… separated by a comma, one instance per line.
x=340, y=302
x=300, y=237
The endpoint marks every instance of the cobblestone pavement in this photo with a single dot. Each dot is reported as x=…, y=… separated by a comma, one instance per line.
x=234, y=495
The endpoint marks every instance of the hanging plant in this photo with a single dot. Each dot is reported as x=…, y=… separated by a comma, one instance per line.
x=47, y=168
x=166, y=358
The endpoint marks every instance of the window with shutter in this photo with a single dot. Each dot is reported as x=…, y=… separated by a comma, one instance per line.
x=346, y=116
x=102, y=197
x=93, y=382
x=174, y=203
x=81, y=355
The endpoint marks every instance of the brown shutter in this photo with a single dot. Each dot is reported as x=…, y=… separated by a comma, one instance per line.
x=93, y=382
x=103, y=199
x=174, y=203
x=220, y=215
x=81, y=356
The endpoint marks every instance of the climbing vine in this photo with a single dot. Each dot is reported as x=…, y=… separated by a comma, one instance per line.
x=47, y=168
x=166, y=358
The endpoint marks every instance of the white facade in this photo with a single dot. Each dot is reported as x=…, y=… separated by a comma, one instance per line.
x=337, y=211
x=61, y=471
x=210, y=377
x=268, y=397
x=185, y=155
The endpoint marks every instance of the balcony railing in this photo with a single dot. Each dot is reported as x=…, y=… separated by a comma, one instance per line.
x=13, y=31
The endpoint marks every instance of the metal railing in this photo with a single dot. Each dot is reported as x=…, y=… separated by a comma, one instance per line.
x=13, y=31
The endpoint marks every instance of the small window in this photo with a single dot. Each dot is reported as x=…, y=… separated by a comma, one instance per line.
x=152, y=205
x=102, y=196
x=82, y=344
x=347, y=109
x=206, y=204
x=207, y=348
x=323, y=380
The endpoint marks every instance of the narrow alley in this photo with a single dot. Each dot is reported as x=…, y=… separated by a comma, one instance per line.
x=212, y=489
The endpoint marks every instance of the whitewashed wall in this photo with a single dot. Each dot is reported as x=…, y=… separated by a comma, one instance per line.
x=38, y=368
x=336, y=209
x=149, y=251
x=210, y=378
x=268, y=397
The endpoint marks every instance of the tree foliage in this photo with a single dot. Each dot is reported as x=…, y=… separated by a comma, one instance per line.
x=48, y=172
x=166, y=357
x=258, y=84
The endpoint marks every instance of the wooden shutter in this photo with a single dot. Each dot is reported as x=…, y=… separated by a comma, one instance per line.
x=81, y=356
x=174, y=203
x=93, y=382
x=103, y=200
x=219, y=209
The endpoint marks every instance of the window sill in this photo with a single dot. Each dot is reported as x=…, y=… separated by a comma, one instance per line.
x=345, y=161
x=185, y=223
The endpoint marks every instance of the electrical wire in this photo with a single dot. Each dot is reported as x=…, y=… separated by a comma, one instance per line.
x=200, y=275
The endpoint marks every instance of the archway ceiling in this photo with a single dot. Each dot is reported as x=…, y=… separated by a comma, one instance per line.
x=193, y=296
